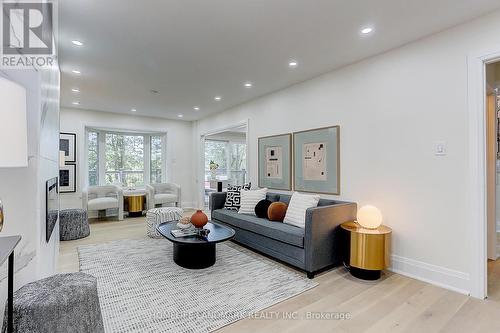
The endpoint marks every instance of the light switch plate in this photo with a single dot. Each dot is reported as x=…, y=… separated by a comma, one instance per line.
x=440, y=148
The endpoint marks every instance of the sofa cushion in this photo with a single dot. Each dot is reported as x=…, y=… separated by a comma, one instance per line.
x=279, y=231
x=165, y=198
x=261, y=208
x=285, y=198
x=277, y=211
x=102, y=203
x=250, y=199
x=296, y=212
x=233, y=196
x=273, y=197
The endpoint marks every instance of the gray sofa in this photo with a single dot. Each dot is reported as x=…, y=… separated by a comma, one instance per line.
x=311, y=249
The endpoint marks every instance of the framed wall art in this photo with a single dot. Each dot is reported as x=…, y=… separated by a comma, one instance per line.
x=275, y=162
x=67, y=178
x=67, y=144
x=317, y=160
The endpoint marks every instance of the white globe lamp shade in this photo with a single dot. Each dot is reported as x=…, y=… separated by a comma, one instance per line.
x=369, y=217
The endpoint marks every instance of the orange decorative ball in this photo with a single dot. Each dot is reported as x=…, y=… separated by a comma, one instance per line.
x=277, y=211
x=199, y=219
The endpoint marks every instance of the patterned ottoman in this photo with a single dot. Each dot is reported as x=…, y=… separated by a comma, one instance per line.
x=73, y=224
x=58, y=304
x=156, y=216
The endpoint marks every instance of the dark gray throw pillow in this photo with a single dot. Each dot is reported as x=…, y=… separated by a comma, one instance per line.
x=233, y=197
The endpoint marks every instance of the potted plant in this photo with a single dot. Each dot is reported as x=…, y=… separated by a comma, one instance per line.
x=213, y=170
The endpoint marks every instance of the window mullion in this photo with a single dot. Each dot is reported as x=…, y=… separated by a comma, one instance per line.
x=164, y=149
x=147, y=159
x=101, y=136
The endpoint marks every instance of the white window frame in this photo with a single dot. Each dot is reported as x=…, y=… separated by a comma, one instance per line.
x=101, y=135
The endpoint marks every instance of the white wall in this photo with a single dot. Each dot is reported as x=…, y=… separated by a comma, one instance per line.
x=180, y=162
x=23, y=189
x=391, y=110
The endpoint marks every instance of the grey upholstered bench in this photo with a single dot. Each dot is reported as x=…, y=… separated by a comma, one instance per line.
x=73, y=224
x=58, y=304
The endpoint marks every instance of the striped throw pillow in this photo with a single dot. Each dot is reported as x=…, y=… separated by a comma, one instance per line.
x=250, y=199
x=296, y=212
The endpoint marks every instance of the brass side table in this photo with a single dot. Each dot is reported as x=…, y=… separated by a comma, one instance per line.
x=368, y=250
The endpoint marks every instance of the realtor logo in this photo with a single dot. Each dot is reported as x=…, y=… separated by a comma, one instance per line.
x=27, y=34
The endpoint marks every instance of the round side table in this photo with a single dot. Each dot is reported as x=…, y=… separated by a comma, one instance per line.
x=368, y=250
x=133, y=200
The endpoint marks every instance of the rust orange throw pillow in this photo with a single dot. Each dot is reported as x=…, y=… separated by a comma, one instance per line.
x=277, y=211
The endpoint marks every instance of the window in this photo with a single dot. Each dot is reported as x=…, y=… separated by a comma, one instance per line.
x=156, y=161
x=125, y=159
x=238, y=158
x=216, y=151
x=231, y=158
x=128, y=159
x=93, y=155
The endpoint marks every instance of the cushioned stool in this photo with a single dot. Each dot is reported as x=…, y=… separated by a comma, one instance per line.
x=73, y=224
x=156, y=216
x=60, y=303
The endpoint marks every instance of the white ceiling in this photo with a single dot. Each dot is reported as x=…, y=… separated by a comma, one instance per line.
x=192, y=50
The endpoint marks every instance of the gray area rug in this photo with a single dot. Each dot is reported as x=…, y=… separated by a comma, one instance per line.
x=141, y=289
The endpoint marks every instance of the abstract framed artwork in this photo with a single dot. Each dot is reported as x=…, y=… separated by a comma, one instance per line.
x=275, y=162
x=67, y=144
x=316, y=161
x=67, y=178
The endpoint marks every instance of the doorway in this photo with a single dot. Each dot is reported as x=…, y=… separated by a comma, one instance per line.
x=224, y=155
x=492, y=103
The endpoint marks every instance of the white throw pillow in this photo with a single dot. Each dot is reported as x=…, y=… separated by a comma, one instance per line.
x=250, y=199
x=296, y=212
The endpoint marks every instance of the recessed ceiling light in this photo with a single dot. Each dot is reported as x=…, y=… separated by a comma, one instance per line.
x=196, y=108
x=366, y=30
x=180, y=115
x=75, y=90
x=293, y=64
x=217, y=98
x=74, y=71
x=133, y=110
x=77, y=42
x=248, y=84
x=76, y=103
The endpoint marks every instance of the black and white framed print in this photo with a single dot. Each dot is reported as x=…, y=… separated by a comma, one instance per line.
x=67, y=144
x=275, y=162
x=67, y=178
x=316, y=155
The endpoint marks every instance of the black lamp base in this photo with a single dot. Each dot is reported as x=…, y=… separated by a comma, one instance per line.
x=365, y=274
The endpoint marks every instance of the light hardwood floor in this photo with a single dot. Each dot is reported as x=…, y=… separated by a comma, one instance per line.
x=393, y=304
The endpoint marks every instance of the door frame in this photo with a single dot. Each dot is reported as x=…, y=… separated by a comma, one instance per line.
x=476, y=100
x=201, y=160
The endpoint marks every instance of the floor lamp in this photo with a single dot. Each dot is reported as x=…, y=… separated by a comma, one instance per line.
x=14, y=130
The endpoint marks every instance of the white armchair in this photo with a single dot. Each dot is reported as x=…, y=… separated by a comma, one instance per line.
x=159, y=194
x=102, y=198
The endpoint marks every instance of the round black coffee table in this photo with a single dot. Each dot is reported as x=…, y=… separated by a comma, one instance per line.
x=196, y=252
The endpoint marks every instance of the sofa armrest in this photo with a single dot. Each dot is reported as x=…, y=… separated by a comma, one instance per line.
x=217, y=200
x=322, y=237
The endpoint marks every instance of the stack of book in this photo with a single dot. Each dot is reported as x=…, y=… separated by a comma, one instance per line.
x=184, y=232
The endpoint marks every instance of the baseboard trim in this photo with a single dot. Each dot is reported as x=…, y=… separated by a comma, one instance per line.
x=437, y=275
